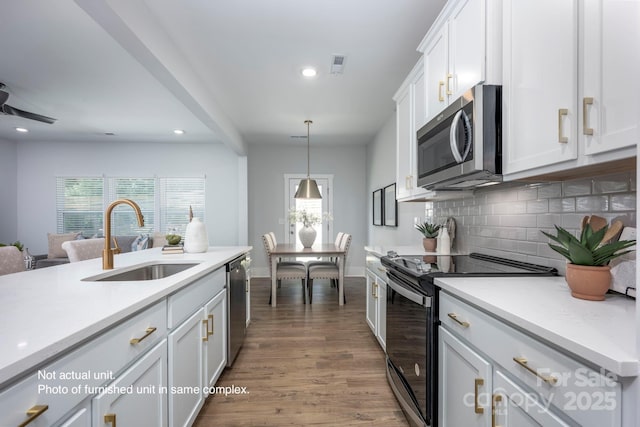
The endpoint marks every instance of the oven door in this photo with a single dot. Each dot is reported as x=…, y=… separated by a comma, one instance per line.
x=410, y=347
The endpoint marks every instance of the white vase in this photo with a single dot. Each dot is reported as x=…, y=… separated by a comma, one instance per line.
x=307, y=236
x=196, y=238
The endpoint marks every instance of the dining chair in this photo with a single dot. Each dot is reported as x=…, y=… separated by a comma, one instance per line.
x=328, y=270
x=331, y=260
x=79, y=250
x=294, y=270
x=11, y=260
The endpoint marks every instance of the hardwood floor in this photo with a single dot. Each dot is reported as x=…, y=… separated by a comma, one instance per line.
x=306, y=365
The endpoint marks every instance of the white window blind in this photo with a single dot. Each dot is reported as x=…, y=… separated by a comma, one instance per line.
x=176, y=195
x=79, y=205
x=142, y=191
x=81, y=201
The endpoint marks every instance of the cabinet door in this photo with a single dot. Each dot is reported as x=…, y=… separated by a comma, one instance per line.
x=466, y=47
x=248, y=290
x=382, y=314
x=371, y=302
x=186, y=375
x=540, y=83
x=435, y=66
x=143, y=397
x=465, y=384
x=403, y=146
x=513, y=407
x=610, y=70
x=80, y=417
x=216, y=346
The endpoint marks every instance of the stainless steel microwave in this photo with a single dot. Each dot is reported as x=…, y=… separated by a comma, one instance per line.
x=461, y=147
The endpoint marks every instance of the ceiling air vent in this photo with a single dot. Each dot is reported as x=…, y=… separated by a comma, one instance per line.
x=337, y=64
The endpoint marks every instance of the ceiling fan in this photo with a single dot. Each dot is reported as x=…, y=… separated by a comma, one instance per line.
x=12, y=111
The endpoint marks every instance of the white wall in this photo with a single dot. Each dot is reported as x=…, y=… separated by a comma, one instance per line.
x=8, y=192
x=38, y=164
x=267, y=167
x=381, y=162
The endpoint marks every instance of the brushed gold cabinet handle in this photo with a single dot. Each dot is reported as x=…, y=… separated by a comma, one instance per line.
x=375, y=294
x=110, y=418
x=496, y=398
x=522, y=361
x=382, y=270
x=462, y=323
x=205, y=322
x=33, y=413
x=211, y=331
x=440, y=86
x=449, y=77
x=585, y=126
x=478, y=382
x=148, y=332
x=562, y=112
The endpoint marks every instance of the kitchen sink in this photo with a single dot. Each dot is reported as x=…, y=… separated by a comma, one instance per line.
x=150, y=271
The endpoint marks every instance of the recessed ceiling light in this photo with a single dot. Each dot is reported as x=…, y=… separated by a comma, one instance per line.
x=23, y=130
x=309, y=72
x=178, y=131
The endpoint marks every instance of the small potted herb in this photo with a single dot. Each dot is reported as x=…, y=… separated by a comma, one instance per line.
x=588, y=273
x=430, y=233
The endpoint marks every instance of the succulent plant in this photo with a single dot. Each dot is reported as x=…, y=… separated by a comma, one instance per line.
x=428, y=230
x=587, y=250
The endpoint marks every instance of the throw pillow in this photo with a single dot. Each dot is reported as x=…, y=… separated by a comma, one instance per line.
x=141, y=243
x=55, y=244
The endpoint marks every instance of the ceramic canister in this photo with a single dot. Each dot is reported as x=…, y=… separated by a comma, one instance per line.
x=196, y=238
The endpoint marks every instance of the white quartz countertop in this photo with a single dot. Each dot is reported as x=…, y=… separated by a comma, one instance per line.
x=45, y=311
x=601, y=332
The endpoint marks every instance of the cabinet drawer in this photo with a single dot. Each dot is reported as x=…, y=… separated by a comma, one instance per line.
x=66, y=382
x=587, y=396
x=186, y=301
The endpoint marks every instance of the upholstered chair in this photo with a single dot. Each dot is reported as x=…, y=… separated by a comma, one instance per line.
x=11, y=260
x=79, y=250
x=328, y=270
x=294, y=270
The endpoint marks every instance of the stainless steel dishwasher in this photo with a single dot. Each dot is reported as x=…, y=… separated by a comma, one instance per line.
x=237, y=306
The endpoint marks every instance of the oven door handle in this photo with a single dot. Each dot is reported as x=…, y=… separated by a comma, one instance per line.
x=412, y=296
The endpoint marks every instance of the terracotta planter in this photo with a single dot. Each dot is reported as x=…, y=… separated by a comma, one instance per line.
x=429, y=244
x=588, y=282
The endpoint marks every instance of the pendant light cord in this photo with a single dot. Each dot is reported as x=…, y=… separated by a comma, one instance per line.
x=308, y=122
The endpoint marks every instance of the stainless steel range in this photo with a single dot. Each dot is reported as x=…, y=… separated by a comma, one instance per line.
x=412, y=321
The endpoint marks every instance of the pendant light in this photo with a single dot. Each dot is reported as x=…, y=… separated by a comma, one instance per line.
x=308, y=188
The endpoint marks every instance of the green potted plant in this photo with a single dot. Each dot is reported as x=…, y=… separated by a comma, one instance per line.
x=588, y=273
x=430, y=233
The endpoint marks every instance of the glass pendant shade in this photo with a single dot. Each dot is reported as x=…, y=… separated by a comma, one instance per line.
x=308, y=188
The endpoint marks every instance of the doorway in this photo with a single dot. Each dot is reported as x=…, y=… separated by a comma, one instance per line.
x=315, y=206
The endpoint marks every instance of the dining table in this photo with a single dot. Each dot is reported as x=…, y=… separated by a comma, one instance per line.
x=318, y=250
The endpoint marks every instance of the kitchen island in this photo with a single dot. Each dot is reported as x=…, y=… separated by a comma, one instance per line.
x=53, y=320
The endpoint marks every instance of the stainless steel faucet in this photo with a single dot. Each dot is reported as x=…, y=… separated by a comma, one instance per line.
x=107, y=253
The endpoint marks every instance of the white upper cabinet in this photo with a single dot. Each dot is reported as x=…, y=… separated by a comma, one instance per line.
x=570, y=84
x=540, y=82
x=610, y=75
x=454, y=53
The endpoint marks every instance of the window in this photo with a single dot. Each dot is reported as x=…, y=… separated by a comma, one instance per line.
x=164, y=202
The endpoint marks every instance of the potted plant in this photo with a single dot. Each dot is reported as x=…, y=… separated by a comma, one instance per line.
x=588, y=273
x=430, y=233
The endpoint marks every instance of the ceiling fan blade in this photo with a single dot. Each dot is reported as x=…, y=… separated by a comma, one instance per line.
x=7, y=109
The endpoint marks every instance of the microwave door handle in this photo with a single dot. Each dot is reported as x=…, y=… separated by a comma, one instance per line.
x=453, y=142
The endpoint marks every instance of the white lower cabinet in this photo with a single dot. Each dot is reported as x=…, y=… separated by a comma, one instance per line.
x=197, y=345
x=80, y=417
x=376, y=305
x=523, y=380
x=138, y=397
x=464, y=384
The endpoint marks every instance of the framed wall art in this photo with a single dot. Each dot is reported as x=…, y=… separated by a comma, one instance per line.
x=377, y=207
x=390, y=212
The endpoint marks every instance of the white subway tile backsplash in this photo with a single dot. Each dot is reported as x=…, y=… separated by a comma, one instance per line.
x=576, y=188
x=592, y=204
x=506, y=220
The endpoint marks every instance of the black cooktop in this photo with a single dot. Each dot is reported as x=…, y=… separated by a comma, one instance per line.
x=474, y=264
